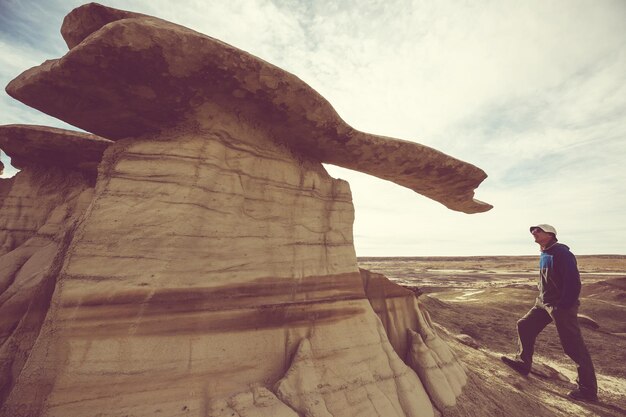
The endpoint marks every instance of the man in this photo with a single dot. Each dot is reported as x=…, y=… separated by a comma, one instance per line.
x=559, y=288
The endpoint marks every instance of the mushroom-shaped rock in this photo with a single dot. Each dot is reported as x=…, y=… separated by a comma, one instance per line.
x=151, y=75
x=214, y=253
x=48, y=146
x=39, y=209
x=56, y=165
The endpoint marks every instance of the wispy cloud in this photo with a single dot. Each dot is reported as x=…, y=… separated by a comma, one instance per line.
x=533, y=92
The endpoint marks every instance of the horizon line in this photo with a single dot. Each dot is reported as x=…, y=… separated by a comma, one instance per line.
x=477, y=256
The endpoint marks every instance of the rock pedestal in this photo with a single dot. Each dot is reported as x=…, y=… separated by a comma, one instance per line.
x=210, y=270
x=40, y=206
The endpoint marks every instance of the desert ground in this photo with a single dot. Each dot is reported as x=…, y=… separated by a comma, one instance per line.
x=483, y=297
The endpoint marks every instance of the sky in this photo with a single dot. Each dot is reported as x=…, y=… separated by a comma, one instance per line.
x=533, y=92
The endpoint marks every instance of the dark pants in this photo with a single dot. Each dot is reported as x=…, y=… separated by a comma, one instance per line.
x=566, y=321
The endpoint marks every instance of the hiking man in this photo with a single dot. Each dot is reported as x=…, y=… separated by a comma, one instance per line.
x=559, y=288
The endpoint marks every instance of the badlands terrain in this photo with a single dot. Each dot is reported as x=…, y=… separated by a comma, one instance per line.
x=190, y=255
x=483, y=297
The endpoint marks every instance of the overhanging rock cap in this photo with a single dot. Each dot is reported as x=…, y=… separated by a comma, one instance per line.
x=41, y=145
x=128, y=74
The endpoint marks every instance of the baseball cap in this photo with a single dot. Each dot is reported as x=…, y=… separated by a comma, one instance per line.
x=545, y=227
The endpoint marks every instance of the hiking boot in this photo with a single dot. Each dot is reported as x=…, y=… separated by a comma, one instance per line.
x=579, y=395
x=520, y=366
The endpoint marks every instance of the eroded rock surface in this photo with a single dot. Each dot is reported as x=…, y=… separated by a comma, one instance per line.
x=51, y=147
x=39, y=207
x=411, y=333
x=157, y=75
x=5, y=186
x=234, y=249
x=258, y=402
x=56, y=165
x=31, y=199
x=211, y=269
x=344, y=384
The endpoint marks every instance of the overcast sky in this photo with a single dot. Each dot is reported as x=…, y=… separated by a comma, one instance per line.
x=532, y=92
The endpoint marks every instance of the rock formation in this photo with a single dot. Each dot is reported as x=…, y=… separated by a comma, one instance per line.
x=39, y=207
x=210, y=270
x=414, y=338
x=55, y=165
x=5, y=183
x=152, y=75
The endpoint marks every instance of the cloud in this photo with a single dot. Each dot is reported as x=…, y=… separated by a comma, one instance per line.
x=532, y=92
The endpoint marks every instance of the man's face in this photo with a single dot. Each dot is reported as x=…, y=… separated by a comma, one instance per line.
x=540, y=236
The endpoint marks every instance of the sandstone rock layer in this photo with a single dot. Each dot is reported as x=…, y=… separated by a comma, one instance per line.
x=56, y=164
x=209, y=268
x=47, y=146
x=414, y=338
x=40, y=208
x=238, y=254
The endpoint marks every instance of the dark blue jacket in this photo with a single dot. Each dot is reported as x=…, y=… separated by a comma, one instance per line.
x=559, y=279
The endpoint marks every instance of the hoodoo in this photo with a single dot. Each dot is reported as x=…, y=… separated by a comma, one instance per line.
x=209, y=268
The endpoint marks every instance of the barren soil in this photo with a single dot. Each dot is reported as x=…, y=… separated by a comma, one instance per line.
x=483, y=297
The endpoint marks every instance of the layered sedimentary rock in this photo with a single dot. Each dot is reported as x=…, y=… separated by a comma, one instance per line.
x=39, y=208
x=50, y=147
x=30, y=200
x=240, y=254
x=55, y=164
x=211, y=271
x=5, y=184
x=414, y=338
